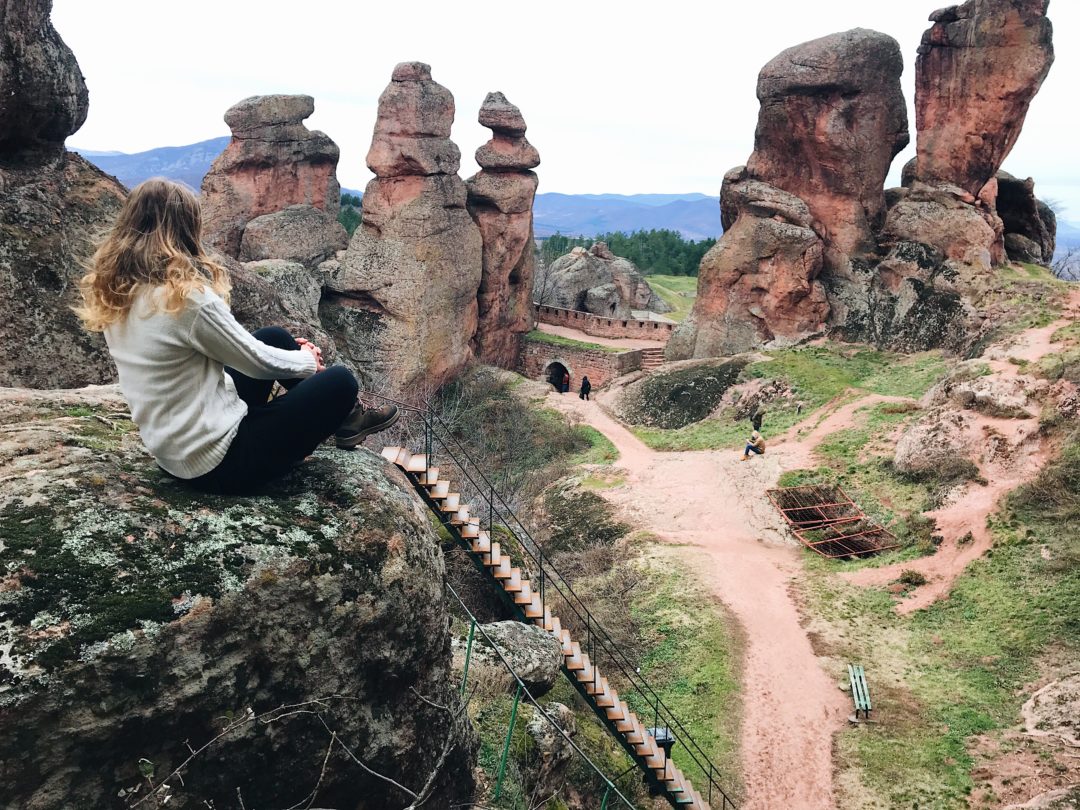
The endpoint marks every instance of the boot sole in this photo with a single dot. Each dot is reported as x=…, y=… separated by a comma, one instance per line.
x=349, y=442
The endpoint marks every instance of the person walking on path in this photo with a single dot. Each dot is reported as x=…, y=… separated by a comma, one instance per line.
x=755, y=445
x=566, y=382
x=756, y=417
x=198, y=384
x=586, y=387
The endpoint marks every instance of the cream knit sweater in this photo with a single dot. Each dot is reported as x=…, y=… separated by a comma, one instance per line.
x=172, y=374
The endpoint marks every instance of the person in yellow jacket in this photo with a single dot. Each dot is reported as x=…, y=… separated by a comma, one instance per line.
x=756, y=444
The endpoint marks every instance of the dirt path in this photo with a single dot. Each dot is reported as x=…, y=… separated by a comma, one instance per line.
x=967, y=511
x=791, y=707
x=619, y=343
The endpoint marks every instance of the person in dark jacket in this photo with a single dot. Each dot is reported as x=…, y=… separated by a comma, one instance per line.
x=586, y=387
x=756, y=417
x=566, y=382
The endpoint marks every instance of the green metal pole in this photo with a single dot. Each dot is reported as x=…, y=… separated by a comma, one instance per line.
x=468, y=655
x=506, y=745
x=603, y=804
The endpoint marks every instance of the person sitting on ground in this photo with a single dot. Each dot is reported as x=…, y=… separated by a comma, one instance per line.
x=198, y=384
x=756, y=444
x=586, y=387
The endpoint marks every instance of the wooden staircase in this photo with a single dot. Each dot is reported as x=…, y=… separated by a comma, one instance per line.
x=651, y=359
x=636, y=738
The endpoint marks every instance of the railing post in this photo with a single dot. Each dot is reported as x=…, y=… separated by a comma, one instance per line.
x=429, y=461
x=506, y=745
x=491, y=508
x=468, y=655
x=603, y=804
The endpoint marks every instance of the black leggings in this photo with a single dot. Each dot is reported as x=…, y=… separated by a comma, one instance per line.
x=277, y=434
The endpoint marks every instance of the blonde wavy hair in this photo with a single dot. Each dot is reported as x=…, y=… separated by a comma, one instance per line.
x=155, y=242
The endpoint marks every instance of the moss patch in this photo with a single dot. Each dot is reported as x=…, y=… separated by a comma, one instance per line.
x=536, y=336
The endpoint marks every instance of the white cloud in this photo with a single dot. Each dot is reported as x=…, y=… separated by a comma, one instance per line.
x=619, y=96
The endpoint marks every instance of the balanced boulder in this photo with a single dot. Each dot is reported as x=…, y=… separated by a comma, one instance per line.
x=500, y=200
x=401, y=302
x=832, y=119
x=272, y=162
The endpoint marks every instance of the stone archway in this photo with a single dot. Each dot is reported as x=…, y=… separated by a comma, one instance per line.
x=555, y=372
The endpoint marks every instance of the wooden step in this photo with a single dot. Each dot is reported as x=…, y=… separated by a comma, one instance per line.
x=429, y=477
x=535, y=609
x=493, y=557
x=451, y=502
x=470, y=530
x=481, y=544
x=391, y=454
x=525, y=595
x=503, y=570
x=512, y=584
x=440, y=490
x=416, y=463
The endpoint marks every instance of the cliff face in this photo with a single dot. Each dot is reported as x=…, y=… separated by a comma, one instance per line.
x=138, y=618
x=52, y=204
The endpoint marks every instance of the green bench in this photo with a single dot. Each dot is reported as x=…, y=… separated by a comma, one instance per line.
x=860, y=692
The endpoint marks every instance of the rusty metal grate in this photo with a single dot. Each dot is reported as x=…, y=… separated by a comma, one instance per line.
x=828, y=522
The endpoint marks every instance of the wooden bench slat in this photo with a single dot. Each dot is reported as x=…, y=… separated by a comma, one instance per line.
x=860, y=690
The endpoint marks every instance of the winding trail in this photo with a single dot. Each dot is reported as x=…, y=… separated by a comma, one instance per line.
x=708, y=499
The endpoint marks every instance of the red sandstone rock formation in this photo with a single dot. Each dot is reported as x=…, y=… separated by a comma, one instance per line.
x=760, y=282
x=979, y=66
x=1030, y=224
x=272, y=162
x=500, y=200
x=52, y=203
x=402, y=302
x=832, y=119
x=43, y=96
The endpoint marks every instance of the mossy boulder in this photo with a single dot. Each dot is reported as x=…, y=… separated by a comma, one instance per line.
x=680, y=394
x=139, y=618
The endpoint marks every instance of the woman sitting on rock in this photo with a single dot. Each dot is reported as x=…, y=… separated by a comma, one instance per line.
x=197, y=382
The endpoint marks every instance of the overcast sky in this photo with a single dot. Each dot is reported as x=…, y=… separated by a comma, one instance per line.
x=620, y=97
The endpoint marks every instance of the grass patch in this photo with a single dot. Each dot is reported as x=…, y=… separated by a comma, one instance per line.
x=678, y=292
x=600, y=450
x=816, y=376
x=536, y=336
x=961, y=667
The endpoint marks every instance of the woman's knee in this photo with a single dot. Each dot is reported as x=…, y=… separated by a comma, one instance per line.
x=341, y=383
x=277, y=337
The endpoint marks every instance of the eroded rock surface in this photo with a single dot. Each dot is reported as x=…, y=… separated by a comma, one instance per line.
x=1030, y=224
x=596, y=280
x=500, y=200
x=402, y=301
x=299, y=233
x=832, y=118
x=979, y=66
x=272, y=162
x=760, y=282
x=52, y=204
x=138, y=618
x=554, y=753
x=533, y=654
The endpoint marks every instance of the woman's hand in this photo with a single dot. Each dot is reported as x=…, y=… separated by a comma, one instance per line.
x=315, y=352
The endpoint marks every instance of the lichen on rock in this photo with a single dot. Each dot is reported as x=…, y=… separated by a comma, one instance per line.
x=136, y=613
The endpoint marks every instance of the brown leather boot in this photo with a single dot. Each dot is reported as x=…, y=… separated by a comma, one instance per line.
x=363, y=422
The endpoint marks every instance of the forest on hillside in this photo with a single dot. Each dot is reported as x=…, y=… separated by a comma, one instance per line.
x=655, y=252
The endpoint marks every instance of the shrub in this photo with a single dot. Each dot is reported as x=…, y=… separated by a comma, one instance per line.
x=911, y=577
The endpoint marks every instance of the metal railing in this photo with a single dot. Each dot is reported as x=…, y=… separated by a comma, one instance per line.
x=597, y=642
x=609, y=783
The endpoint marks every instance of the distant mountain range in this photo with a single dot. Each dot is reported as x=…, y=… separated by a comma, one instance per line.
x=695, y=216
x=187, y=164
